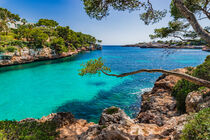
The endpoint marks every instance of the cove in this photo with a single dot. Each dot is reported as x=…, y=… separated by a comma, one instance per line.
x=38, y=89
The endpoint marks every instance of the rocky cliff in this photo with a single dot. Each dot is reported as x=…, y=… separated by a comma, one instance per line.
x=158, y=118
x=26, y=55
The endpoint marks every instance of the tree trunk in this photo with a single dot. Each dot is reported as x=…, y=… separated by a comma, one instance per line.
x=192, y=20
x=187, y=77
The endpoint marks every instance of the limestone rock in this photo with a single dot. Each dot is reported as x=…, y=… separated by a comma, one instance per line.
x=114, y=115
x=158, y=106
x=26, y=55
x=197, y=100
x=60, y=119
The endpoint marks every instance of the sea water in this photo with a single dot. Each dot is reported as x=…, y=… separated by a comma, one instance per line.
x=38, y=89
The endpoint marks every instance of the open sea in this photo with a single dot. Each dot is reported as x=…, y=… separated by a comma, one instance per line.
x=38, y=89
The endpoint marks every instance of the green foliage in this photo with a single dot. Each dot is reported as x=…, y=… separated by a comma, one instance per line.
x=175, y=29
x=18, y=43
x=112, y=110
x=203, y=71
x=43, y=34
x=198, y=127
x=99, y=8
x=93, y=67
x=58, y=44
x=38, y=36
x=180, y=92
x=63, y=32
x=6, y=37
x=27, y=130
x=6, y=17
x=11, y=49
x=2, y=50
x=24, y=31
x=194, y=6
x=152, y=16
x=47, y=23
x=183, y=87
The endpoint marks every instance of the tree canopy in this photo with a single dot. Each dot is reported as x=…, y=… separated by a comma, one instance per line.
x=44, y=33
x=47, y=23
x=185, y=10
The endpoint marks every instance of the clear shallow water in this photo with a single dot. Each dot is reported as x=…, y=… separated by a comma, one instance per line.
x=38, y=89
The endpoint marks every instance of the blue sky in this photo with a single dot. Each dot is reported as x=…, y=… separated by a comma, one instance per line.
x=116, y=29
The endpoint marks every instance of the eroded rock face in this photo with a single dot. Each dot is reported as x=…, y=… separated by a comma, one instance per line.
x=26, y=55
x=61, y=119
x=158, y=106
x=114, y=115
x=197, y=100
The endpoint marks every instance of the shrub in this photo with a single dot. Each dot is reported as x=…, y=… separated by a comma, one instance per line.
x=183, y=87
x=203, y=71
x=6, y=37
x=198, y=127
x=27, y=130
x=180, y=92
x=2, y=49
x=11, y=49
x=112, y=110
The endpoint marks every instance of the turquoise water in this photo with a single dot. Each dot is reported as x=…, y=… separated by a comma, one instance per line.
x=38, y=89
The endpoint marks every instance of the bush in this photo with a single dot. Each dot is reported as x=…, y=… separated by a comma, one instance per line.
x=6, y=37
x=11, y=49
x=180, y=92
x=203, y=71
x=198, y=127
x=2, y=50
x=112, y=110
x=27, y=130
x=183, y=87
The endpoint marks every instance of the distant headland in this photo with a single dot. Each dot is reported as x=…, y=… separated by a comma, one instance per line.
x=166, y=45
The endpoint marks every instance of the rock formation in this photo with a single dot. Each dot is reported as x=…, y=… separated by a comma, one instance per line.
x=26, y=55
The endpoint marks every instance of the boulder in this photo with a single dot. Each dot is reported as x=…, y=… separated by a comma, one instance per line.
x=114, y=115
x=197, y=100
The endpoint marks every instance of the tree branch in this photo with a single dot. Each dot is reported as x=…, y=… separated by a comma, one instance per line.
x=187, y=77
x=192, y=20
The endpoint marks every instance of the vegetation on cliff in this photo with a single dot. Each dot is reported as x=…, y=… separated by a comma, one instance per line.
x=31, y=130
x=198, y=126
x=183, y=87
x=16, y=33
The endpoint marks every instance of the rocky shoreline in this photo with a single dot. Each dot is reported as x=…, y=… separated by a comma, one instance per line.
x=165, y=46
x=26, y=55
x=158, y=118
